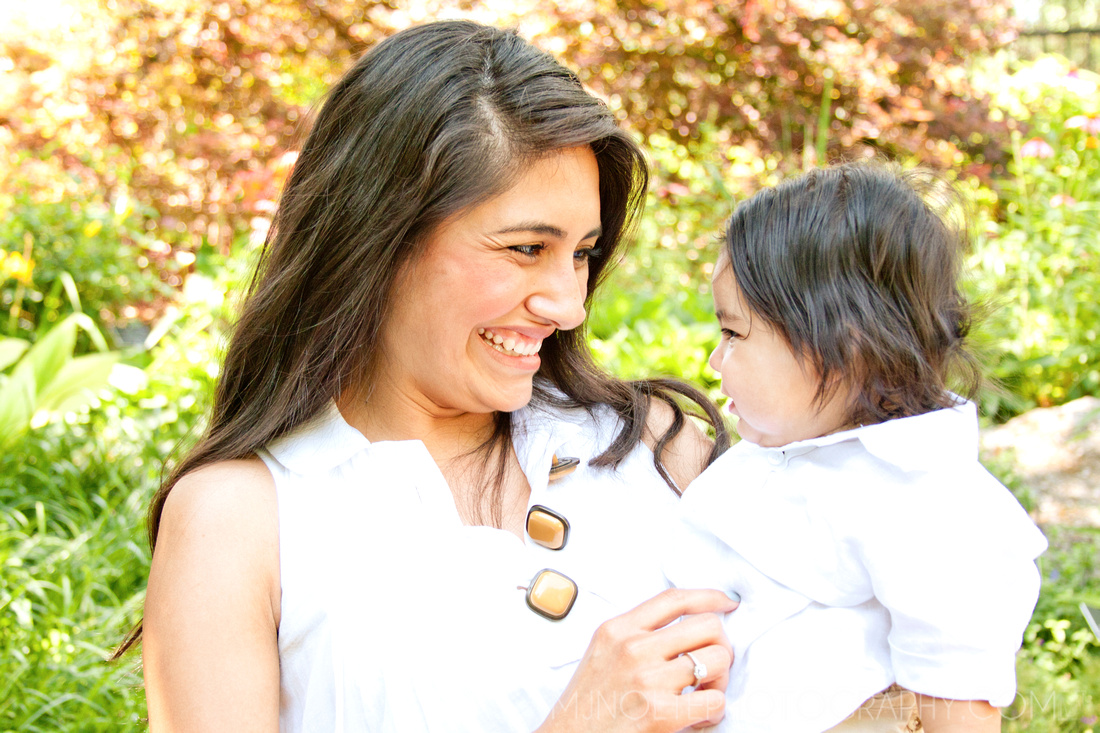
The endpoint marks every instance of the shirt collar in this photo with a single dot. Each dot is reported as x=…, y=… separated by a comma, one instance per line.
x=322, y=443
x=538, y=432
x=911, y=443
x=327, y=440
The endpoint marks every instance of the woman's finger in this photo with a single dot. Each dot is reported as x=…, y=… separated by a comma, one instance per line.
x=634, y=661
x=666, y=607
x=691, y=632
x=713, y=661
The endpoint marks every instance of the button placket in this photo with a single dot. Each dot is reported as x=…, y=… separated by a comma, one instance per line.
x=551, y=594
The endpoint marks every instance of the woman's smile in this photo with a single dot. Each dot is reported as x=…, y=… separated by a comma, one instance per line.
x=512, y=344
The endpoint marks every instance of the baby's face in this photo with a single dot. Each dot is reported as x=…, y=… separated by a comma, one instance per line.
x=770, y=389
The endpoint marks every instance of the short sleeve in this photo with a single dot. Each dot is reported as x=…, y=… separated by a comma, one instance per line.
x=954, y=564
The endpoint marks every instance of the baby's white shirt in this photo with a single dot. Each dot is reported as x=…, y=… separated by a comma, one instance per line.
x=876, y=555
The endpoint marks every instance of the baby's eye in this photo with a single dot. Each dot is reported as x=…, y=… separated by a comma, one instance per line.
x=728, y=334
x=529, y=250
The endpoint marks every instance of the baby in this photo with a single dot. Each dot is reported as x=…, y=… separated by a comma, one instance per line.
x=869, y=547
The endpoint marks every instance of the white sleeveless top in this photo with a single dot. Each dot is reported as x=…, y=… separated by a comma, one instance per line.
x=397, y=617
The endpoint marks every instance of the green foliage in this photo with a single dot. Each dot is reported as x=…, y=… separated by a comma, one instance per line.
x=88, y=246
x=654, y=342
x=73, y=496
x=1059, y=667
x=655, y=315
x=46, y=378
x=69, y=569
x=1039, y=260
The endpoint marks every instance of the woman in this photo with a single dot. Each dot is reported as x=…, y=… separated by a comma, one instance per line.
x=349, y=546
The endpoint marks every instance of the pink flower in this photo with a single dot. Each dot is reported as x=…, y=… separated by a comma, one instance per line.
x=673, y=189
x=1037, y=147
x=1061, y=199
x=1091, y=125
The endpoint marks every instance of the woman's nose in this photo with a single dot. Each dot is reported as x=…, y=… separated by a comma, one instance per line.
x=559, y=295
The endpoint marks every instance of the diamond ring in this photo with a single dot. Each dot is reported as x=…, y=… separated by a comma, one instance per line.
x=700, y=670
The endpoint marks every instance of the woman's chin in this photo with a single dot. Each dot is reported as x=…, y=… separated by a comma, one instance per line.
x=511, y=398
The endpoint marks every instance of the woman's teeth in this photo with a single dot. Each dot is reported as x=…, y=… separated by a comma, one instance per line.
x=509, y=345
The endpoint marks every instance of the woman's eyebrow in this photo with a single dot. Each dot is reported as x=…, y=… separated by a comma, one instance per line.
x=548, y=230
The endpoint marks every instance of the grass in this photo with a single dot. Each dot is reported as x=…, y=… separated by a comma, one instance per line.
x=72, y=569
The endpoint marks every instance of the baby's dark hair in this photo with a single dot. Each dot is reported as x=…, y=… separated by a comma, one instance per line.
x=855, y=268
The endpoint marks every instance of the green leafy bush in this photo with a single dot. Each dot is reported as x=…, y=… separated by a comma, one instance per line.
x=1058, y=669
x=1039, y=259
x=102, y=247
x=46, y=378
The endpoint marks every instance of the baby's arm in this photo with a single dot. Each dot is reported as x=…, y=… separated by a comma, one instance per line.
x=938, y=715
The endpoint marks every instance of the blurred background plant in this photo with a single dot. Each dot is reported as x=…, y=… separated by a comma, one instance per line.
x=1040, y=251
x=143, y=144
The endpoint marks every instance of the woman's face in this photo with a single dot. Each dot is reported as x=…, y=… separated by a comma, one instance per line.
x=491, y=284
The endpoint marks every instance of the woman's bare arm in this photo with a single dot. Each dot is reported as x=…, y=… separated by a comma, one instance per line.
x=210, y=650
x=957, y=716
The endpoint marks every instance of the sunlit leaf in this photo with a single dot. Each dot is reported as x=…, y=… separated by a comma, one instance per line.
x=11, y=349
x=74, y=386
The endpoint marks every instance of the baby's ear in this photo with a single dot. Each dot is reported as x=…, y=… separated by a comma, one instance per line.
x=843, y=372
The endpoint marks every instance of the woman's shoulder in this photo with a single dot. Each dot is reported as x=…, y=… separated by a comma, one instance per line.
x=223, y=514
x=222, y=491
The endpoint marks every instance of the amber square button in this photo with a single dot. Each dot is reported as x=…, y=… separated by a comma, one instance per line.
x=551, y=594
x=546, y=527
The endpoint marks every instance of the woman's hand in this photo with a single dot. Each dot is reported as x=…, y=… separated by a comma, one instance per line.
x=632, y=674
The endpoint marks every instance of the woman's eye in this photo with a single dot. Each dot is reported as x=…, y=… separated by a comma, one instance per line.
x=586, y=254
x=526, y=249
